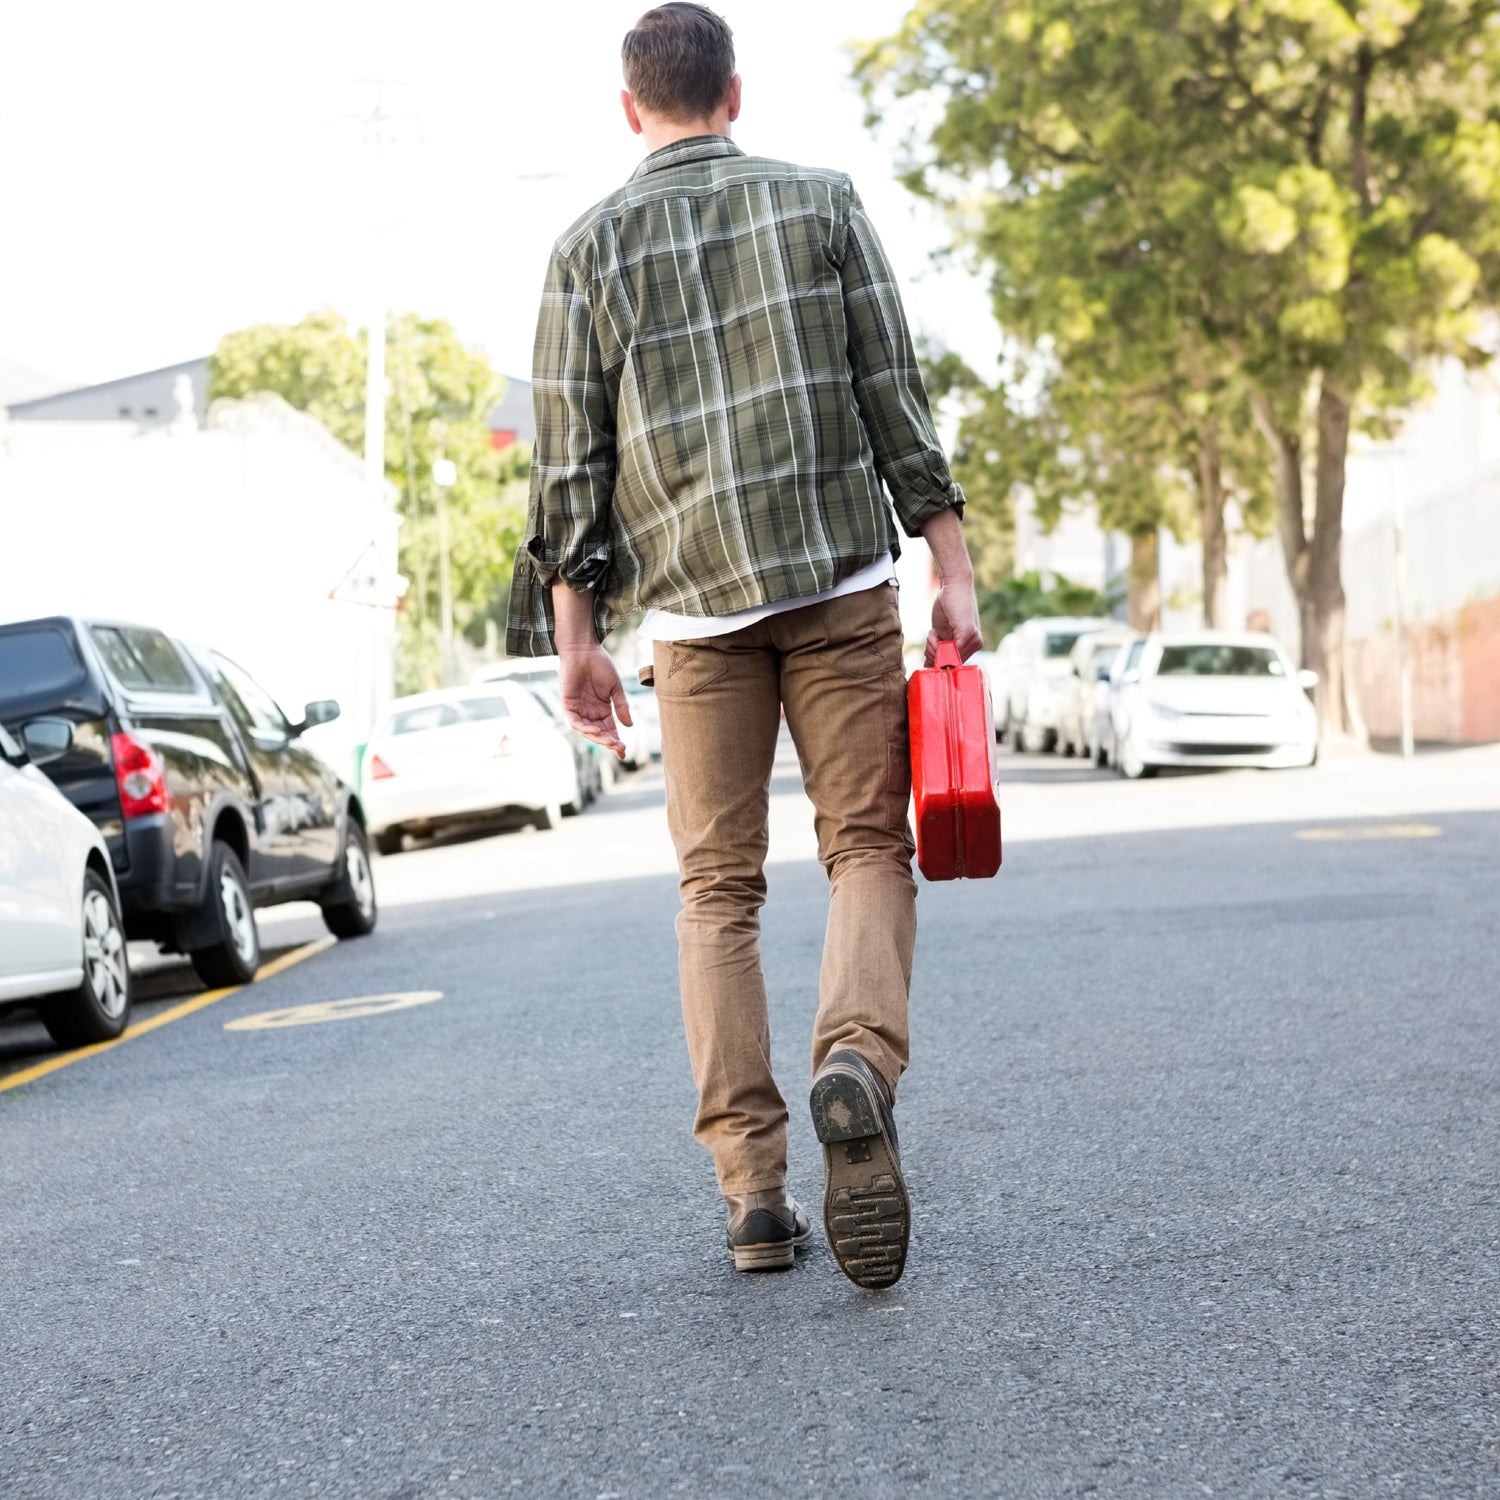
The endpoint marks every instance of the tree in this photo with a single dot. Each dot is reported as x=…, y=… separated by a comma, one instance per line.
x=440, y=393
x=1304, y=195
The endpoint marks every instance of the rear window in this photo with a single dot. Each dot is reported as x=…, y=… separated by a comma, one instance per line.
x=446, y=715
x=36, y=665
x=1211, y=660
x=1060, y=642
x=142, y=660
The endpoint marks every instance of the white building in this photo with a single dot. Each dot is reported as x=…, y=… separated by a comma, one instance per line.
x=253, y=532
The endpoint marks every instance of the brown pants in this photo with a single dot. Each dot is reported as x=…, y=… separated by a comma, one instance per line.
x=837, y=669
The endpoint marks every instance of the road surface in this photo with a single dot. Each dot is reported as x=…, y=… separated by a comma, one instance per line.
x=1201, y=1133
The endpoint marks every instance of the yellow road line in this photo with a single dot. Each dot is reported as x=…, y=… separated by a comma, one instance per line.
x=175, y=1013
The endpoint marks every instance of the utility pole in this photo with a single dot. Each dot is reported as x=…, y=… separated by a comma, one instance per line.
x=444, y=473
x=376, y=125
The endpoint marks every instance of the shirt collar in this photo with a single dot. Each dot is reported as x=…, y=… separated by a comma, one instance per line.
x=692, y=148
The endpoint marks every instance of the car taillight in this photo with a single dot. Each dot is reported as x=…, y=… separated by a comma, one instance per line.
x=141, y=776
x=379, y=771
x=503, y=748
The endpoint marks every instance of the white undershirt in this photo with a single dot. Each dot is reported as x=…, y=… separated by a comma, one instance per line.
x=662, y=625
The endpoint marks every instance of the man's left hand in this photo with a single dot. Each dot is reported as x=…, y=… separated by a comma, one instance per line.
x=593, y=696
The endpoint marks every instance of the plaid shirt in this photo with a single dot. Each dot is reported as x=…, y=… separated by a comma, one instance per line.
x=723, y=377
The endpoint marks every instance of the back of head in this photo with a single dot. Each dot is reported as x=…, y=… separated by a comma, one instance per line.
x=679, y=61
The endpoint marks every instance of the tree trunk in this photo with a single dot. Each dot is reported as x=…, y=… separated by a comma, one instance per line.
x=1215, y=548
x=1144, y=603
x=1324, y=607
x=1313, y=563
x=1291, y=523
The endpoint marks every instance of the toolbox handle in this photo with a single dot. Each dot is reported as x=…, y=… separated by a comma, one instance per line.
x=947, y=655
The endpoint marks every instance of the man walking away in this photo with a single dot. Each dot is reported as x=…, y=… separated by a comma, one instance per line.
x=723, y=380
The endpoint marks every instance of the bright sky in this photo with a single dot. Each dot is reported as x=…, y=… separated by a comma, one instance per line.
x=177, y=171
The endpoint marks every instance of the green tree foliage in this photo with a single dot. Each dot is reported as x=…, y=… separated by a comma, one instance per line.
x=1025, y=596
x=439, y=393
x=1207, y=205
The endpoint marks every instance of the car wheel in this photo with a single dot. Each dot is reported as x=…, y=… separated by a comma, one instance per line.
x=235, y=957
x=579, y=799
x=390, y=841
x=547, y=817
x=1132, y=764
x=1065, y=747
x=1101, y=755
x=99, y=1009
x=354, y=912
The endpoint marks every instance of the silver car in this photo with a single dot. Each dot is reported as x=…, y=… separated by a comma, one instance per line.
x=1087, y=688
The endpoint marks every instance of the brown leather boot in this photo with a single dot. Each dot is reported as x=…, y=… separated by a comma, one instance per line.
x=865, y=1208
x=765, y=1229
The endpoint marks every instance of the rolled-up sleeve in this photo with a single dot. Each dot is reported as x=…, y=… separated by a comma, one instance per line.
x=572, y=465
x=888, y=382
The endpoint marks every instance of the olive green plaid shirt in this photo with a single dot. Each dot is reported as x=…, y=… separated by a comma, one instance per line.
x=723, y=377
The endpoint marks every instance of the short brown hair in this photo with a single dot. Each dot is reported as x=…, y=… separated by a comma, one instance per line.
x=679, y=60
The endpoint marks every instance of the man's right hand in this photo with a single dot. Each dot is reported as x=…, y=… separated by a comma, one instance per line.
x=593, y=696
x=955, y=617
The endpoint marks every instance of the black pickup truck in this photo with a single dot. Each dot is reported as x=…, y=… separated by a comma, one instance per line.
x=208, y=801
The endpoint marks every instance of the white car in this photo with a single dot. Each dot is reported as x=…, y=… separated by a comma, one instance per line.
x=1001, y=667
x=1211, y=699
x=642, y=739
x=62, y=943
x=462, y=754
x=1089, y=662
x=1039, y=676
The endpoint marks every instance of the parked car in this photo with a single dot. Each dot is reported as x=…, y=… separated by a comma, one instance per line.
x=1126, y=660
x=1039, y=674
x=62, y=941
x=596, y=766
x=1088, y=662
x=1212, y=699
x=1002, y=670
x=464, y=754
x=642, y=736
x=208, y=802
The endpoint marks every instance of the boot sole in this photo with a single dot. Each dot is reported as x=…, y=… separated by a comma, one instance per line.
x=865, y=1208
x=778, y=1256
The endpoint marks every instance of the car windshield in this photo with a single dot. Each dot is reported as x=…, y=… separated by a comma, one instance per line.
x=1210, y=659
x=446, y=715
x=1060, y=642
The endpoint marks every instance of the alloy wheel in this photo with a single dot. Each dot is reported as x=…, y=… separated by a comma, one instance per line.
x=239, y=920
x=104, y=954
x=361, y=881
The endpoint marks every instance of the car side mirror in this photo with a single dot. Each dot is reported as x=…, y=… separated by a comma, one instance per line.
x=47, y=740
x=1307, y=678
x=322, y=711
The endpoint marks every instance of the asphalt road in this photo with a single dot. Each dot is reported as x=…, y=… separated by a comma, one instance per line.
x=1201, y=1133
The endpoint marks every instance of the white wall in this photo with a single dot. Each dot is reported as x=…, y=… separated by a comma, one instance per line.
x=234, y=535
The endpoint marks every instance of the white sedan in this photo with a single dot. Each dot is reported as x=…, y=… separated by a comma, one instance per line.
x=1211, y=699
x=462, y=754
x=62, y=944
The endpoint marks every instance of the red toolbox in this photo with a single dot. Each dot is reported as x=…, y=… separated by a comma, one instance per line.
x=953, y=769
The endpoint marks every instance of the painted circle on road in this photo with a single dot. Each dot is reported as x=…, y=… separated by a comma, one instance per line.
x=1374, y=831
x=333, y=1010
